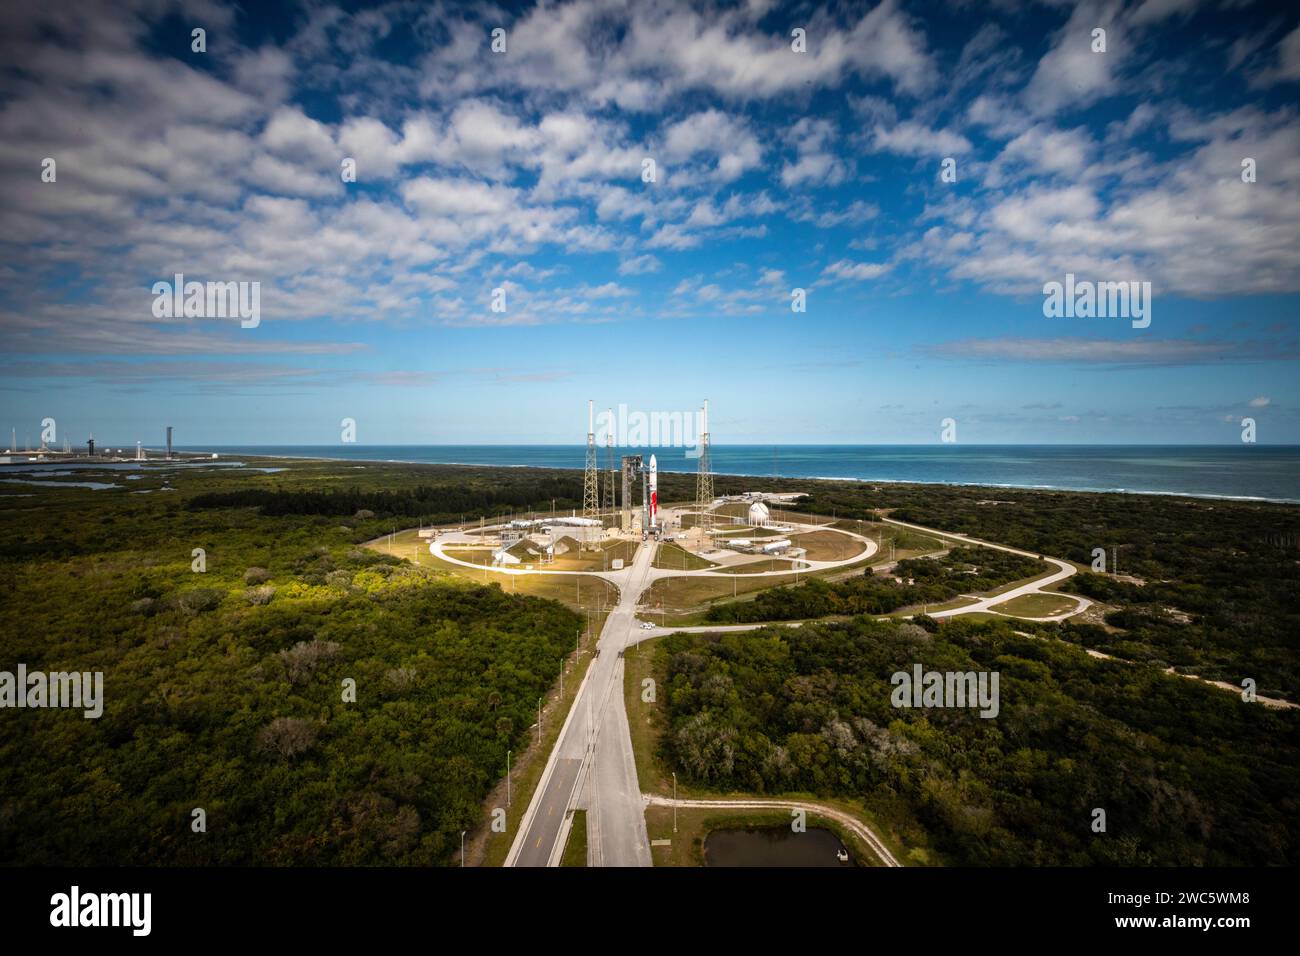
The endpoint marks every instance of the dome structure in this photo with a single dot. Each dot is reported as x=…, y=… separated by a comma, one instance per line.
x=759, y=515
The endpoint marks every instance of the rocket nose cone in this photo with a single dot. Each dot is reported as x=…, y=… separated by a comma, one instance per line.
x=653, y=463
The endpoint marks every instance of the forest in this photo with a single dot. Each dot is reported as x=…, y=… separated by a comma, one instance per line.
x=1186, y=774
x=963, y=570
x=224, y=687
x=1209, y=587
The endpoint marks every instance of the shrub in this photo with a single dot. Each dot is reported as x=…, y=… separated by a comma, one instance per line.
x=257, y=576
x=260, y=595
x=286, y=736
x=198, y=600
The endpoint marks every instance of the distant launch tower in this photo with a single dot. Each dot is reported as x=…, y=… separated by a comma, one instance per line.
x=591, y=479
x=169, y=443
x=704, y=480
x=612, y=472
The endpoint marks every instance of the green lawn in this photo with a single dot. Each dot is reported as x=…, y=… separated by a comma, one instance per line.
x=575, y=849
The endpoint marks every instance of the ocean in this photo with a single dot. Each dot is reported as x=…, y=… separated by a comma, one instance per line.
x=1247, y=471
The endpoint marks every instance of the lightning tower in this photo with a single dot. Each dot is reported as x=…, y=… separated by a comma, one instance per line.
x=704, y=480
x=591, y=479
x=609, y=466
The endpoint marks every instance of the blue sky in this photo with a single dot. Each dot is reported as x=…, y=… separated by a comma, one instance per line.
x=774, y=170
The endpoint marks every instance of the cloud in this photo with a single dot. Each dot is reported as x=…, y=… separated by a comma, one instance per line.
x=913, y=139
x=639, y=265
x=1137, y=351
x=1070, y=74
x=856, y=271
x=725, y=138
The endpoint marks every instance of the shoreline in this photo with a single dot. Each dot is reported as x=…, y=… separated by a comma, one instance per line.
x=203, y=457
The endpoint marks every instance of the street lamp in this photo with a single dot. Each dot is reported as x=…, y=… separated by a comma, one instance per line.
x=462, y=849
x=674, y=801
x=539, y=720
x=507, y=778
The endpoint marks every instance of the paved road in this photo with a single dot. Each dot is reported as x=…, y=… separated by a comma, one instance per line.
x=545, y=831
x=1063, y=571
x=616, y=814
x=592, y=764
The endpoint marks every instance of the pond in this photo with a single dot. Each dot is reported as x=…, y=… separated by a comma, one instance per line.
x=774, y=846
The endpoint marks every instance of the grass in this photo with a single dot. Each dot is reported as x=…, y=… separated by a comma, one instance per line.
x=914, y=609
x=727, y=531
x=674, y=557
x=582, y=593
x=598, y=558
x=575, y=850
x=1042, y=604
x=827, y=545
x=686, y=599
x=644, y=718
x=759, y=566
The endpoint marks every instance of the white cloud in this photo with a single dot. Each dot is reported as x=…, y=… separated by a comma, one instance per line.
x=856, y=271
x=913, y=139
x=639, y=265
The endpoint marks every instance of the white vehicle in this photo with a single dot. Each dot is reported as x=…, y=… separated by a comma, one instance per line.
x=647, y=626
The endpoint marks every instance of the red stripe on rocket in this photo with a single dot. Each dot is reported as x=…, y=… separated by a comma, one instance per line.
x=654, y=491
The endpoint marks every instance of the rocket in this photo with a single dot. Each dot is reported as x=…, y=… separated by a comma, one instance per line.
x=654, y=492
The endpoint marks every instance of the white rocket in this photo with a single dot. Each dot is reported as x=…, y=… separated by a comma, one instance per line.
x=654, y=492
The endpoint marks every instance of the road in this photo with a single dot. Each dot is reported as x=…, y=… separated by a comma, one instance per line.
x=592, y=764
x=615, y=812
x=1063, y=571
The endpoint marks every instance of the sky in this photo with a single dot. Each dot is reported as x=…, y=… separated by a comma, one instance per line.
x=644, y=190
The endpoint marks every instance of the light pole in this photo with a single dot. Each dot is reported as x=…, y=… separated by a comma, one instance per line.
x=539, y=721
x=507, y=778
x=462, y=849
x=674, y=801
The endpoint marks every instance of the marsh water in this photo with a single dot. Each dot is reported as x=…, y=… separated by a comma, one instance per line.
x=773, y=846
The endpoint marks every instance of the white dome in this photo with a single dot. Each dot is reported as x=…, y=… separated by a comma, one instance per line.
x=758, y=514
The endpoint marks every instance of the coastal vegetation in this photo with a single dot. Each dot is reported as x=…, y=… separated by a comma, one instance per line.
x=1209, y=587
x=1185, y=774
x=226, y=679
x=963, y=570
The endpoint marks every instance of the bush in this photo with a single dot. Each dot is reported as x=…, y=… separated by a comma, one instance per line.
x=260, y=595
x=286, y=736
x=198, y=600
x=257, y=576
x=143, y=606
x=300, y=661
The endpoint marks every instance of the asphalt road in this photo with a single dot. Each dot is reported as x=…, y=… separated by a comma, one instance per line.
x=616, y=813
x=545, y=830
